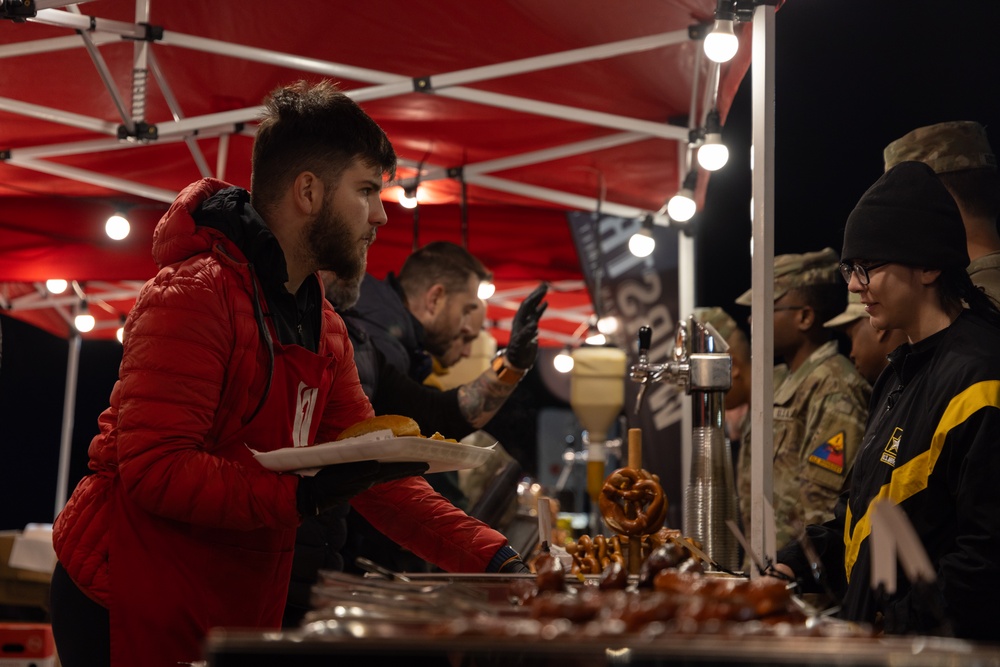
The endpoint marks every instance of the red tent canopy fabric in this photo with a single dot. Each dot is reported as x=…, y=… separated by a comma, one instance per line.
x=539, y=107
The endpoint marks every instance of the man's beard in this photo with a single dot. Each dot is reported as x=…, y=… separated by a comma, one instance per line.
x=333, y=246
x=436, y=343
x=343, y=294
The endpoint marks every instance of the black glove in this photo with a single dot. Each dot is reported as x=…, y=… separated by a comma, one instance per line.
x=336, y=484
x=523, y=346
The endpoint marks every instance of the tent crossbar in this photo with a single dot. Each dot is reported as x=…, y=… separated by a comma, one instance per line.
x=51, y=44
x=58, y=116
x=85, y=23
x=109, y=81
x=563, y=112
x=175, y=110
x=40, y=301
x=565, y=198
x=534, y=157
x=93, y=178
x=289, y=60
x=560, y=59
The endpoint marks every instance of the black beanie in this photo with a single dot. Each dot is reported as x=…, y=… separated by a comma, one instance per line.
x=907, y=217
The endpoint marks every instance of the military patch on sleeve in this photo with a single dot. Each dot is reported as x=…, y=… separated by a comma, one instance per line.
x=830, y=455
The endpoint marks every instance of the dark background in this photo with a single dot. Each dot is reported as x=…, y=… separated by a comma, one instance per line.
x=851, y=76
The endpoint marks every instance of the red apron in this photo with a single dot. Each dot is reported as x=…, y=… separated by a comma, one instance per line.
x=172, y=581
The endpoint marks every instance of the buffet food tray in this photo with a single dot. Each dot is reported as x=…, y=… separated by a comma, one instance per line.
x=423, y=628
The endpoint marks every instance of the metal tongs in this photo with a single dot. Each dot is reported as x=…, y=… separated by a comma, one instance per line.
x=765, y=566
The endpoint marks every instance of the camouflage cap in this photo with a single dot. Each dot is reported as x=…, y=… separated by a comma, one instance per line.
x=718, y=318
x=792, y=271
x=951, y=146
x=855, y=311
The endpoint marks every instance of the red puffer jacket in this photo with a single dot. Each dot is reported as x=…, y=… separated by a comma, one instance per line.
x=169, y=410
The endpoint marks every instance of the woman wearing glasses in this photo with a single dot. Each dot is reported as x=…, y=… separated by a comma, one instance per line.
x=932, y=443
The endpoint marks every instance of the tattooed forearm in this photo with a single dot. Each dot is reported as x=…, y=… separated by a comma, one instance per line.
x=480, y=399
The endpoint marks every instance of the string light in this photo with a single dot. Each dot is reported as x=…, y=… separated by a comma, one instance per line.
x=117, y=227
x=713, y=154
x=682, y=206
x=486, y=289
x=56, y=285
x=408, y=197
x=563, y=362
x=84, y=321
x=642, y=242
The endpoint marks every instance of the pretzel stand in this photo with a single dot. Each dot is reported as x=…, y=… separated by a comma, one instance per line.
x=632, y=501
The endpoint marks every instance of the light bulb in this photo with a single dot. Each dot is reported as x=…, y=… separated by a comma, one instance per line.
x=56, y=285
x=120, y=334
x=642, y=243
x=486, y=289
x=681, y=206
x=84, y=322
x=563, y=362
x=117, y=227
x=721, y=44
x=607, y=325
x=595, y=339
x=713, y=154
x=408, y=197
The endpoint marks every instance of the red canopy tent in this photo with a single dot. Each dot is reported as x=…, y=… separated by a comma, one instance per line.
x=531, y=107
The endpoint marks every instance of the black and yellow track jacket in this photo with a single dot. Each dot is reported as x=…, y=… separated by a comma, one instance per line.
x=932, y=445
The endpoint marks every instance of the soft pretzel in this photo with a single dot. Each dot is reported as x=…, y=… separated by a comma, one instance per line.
x=632, y=502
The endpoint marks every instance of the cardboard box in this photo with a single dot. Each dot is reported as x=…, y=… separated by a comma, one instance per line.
x=19, y=587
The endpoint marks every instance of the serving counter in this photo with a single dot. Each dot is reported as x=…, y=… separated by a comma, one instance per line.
x=483, y=620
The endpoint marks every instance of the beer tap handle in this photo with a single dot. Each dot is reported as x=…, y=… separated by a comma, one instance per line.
x=645, y=340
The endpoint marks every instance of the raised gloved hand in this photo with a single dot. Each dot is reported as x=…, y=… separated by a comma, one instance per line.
x=336, y=484
x=523, y=346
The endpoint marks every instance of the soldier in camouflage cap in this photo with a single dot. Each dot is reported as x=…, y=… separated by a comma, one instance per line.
x=792, y=271
x=870, y=347
x=960, y=153
x=820, y=400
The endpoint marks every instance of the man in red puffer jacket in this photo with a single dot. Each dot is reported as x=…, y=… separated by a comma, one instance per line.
x=232, y=347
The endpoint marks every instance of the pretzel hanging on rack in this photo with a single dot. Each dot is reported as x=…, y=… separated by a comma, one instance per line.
x=632, y=502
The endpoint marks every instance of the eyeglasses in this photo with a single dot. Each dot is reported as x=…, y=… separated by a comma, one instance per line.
x=862, y=272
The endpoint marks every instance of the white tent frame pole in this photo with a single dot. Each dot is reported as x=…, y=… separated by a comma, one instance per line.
x=762, y=287
x=178, y=113
x=560, y=59
x=565, y=198
x=86, y=23
x=563, y=112
x=51, y=44
x=532, y=157
x=103, y=180
x=57, y=116
x=69, y=408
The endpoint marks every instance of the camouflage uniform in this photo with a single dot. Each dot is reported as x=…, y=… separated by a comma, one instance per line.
x=820, y=412
x=948, y=147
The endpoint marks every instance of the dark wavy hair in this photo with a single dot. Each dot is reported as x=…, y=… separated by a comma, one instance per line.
x=313, y=127
x=957, y=291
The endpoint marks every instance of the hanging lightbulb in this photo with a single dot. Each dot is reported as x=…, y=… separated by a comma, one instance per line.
x=117, y=227
x=642, y=242
x=713, y=154
x=607, y=324
x=56, y=285
x=563, y=362
x=486, y=289
x=120, y=334
x=408, y=197
x=84, y=321
x=682, y=206
x=595, y=338
x=721, y=44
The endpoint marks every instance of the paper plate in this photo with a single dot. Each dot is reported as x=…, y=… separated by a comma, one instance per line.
x=440, y=455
